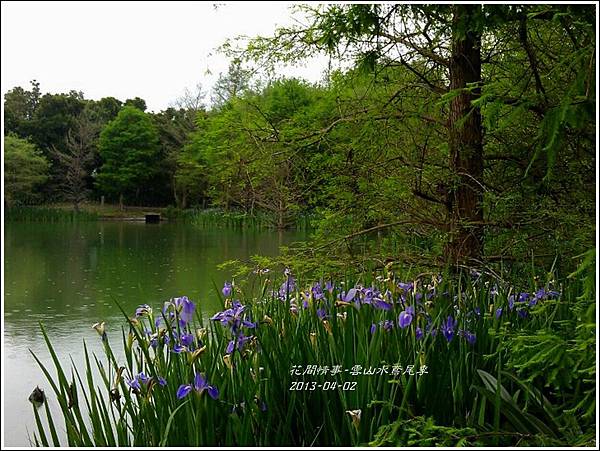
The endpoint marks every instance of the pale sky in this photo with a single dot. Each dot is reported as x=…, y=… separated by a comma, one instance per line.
x=153, y=50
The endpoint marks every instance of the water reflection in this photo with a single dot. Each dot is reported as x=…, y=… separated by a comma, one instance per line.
x=69, y=276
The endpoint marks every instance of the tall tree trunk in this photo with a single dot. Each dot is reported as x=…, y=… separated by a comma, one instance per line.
x=465, y=138
x=175, y=196
x=281, y=215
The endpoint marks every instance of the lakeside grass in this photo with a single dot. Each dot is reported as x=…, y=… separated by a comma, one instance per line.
x=64, y=212
x=47, y=214
x=90, y=211
x=263, y=371
x=216, y=217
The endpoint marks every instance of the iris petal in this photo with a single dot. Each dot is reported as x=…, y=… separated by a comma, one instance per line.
x=183, y=391
x=213, y=392
x=200, y=382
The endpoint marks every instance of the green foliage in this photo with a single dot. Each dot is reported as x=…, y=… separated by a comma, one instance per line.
x=129, y=151
x=219, y=218
x=422, y=431
x=54, y=116
x=136, y=102
x=246, y=154
x=19, y=108
x=105, y=109
x=466, y=397
x=231, y=85
x=25, y=169
x=368, y=148
x=42, y=214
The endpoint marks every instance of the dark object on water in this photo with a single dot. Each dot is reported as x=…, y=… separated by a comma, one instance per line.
x=152, y=218
x=37, y=397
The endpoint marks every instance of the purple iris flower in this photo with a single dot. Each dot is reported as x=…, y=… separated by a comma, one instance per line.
x=511, y=301
x=418, y=297
x=134, y=383
x=406, y=317
x=387, y=325
x=227, y=289
x=143, y=310
x=233, y=317
x=287, y=287
x=304, y=304
x=184, y=308
x=373, y=328
x=406, y=287
x=418, y=333
x=178, y=349
x=230, y=347
x=448, y=327
x=238, y=343
x=522, y=313
x=542, y=294
x=200, y=385
x=382, y=305
x=538, y=296
x=186, y=340
x=348, y=297
x=470, y=337
x=322, y=314
x=317, y=291
x=329, y=286
x=369, y=294
x=498, y=312
x=161, y=381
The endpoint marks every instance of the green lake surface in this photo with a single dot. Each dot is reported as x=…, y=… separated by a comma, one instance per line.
x=69, y=275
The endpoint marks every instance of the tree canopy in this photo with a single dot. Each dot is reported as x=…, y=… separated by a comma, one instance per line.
x=461, y=133
x=25, y=169
x=129, y=149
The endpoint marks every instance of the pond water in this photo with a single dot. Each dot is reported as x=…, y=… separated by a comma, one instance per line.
x=69, y=275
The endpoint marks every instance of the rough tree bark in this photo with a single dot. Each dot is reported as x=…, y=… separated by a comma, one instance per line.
x=465, y=138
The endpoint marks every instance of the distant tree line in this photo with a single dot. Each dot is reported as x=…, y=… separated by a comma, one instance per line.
x=472, y=128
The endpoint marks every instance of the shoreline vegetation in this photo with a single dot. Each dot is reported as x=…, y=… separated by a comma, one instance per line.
x=384, y=361
x=444, y=165
x=209, y=217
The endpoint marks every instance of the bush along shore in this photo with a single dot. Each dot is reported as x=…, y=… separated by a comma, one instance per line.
x=386, y=361
x=203, y=218
x=48, y=214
